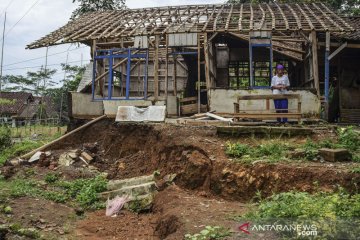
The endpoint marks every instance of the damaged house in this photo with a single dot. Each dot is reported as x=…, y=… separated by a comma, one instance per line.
x=217, y=58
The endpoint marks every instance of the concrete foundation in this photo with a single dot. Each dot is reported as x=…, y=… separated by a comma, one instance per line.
x=222, y=100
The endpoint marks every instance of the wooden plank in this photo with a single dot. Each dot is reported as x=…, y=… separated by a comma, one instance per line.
x=218, y=117
x=261, y=115
x=207, y=68
x=174, y=75
x=241, y=130
x=269, y=96
x=284, y=17
x=188, y=99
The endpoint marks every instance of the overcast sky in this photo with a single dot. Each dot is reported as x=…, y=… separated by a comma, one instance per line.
x=46, y=16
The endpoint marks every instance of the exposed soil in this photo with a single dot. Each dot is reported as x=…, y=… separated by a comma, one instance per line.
x=197, y=156
x=52, y=219
x=208, y=189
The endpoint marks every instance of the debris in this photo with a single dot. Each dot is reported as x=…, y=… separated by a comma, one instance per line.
x=35, y=157
x=65, y=159
x=115, y=205
x=335, y=155
x=82, y=159
x=91, y=147
x=218, y=117
x=87, y=157
x=15, y=162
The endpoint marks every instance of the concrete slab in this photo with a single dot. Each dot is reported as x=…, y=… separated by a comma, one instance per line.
x=134, y=114
x=335, y=155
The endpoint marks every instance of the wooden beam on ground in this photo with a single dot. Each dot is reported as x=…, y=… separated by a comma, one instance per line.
x=263, y=130
x=28, y=155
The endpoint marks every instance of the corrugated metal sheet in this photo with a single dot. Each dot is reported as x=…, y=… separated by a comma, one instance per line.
x=182, y=39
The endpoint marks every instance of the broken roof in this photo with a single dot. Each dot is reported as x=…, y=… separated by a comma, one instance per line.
x=239, y=18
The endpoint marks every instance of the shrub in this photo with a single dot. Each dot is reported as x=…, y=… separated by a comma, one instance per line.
x=349, y=139
x=5, y=138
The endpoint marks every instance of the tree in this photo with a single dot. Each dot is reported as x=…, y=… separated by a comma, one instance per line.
x=34, y=82
x=87, y=6
x=349, y=7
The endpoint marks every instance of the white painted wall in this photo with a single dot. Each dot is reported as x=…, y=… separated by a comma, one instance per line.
x=222, y=100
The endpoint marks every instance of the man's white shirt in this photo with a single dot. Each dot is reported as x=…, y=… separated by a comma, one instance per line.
x=283, y=80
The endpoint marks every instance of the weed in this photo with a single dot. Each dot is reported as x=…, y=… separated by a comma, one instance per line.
x=210, y=232
x=349, y=139
x=51, y=178
x=356, y=170
x=5, y=138
x=321, y=209
x=273, y=151
x=17, y=149
x=83, y=192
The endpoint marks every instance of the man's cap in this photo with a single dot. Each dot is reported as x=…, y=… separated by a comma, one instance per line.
x=280, y=67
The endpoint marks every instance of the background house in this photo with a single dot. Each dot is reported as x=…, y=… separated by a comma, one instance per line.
x=19, y=107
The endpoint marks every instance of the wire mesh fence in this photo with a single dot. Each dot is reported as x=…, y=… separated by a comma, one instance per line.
x=34, y=129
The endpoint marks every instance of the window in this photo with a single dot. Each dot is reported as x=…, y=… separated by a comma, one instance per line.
x=239, y=75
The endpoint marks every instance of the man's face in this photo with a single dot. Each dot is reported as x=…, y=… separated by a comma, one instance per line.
x=280, y=72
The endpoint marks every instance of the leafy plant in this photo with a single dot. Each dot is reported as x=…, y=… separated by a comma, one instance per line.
x=349, y=139
x=210, y=232
x=272, y=150
x=325, y=210
x=51, y=178
x=5, y=138
x=17, y=149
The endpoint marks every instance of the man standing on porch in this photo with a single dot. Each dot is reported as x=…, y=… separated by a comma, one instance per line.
x=279, y=85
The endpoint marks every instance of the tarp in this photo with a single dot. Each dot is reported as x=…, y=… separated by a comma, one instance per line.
x=135, y=114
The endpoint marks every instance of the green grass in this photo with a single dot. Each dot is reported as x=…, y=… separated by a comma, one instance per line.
x=272, y=151
x=80, y=192
x=330, y=212
x=18, y=149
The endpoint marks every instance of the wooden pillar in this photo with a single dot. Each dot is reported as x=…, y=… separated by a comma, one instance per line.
x=123, y=70
x=315, y=61
x=156, y=67
x=174, y=74
x=207, y=64
x=167, y=67
x=327, y=74
x=199, y=72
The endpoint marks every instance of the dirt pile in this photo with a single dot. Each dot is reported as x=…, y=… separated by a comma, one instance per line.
x=197, y=156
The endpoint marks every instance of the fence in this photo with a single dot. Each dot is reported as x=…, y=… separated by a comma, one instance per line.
x=35, y=129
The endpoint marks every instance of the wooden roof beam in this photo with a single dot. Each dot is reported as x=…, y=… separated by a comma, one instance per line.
x=307, y=18
x=229, y=17
x=337, y=17
x=209, y=19
x=241, y=16
x=298, y=22
x=328, y=18
x=316, y=17
x=283, y=16
x=217, y=17
x=272, y=17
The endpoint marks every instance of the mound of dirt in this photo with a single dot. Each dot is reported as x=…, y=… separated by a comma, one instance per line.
x=197, y=156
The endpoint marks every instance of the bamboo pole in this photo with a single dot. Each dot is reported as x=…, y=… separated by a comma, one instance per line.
x=28, y=155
